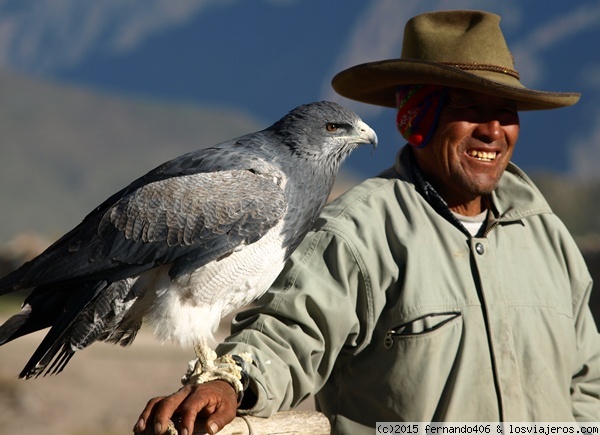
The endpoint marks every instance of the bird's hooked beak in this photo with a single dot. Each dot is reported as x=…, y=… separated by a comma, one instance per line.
x=366, y=134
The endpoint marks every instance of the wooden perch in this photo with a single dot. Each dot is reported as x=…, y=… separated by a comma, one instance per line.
x=282, y=423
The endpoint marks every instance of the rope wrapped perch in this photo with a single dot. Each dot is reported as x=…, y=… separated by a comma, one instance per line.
x=207, y=367
x=281, y=423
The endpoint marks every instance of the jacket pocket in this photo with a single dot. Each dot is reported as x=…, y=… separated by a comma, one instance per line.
x=421, y=326
x=419, y=359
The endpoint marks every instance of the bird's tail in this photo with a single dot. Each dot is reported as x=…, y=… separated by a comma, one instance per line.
x=14, y=326
x=11, y=282
x=53, y=305
x=91, y=311
x=44, y=307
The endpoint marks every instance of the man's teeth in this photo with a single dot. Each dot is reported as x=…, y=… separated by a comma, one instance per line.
x=487, y=156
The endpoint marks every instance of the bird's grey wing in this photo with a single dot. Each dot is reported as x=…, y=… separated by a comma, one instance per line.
x=197, y=217
x=194, y=219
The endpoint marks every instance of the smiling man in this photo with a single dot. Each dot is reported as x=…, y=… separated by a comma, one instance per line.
x=444, y=289
x=470, y=148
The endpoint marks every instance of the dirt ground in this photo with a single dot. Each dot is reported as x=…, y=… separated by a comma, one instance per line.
x=102, y=390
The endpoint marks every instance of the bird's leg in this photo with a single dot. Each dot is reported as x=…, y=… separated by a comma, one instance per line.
x=199, y=366
x=207, y=367
x=205, y=355
x=205, y=358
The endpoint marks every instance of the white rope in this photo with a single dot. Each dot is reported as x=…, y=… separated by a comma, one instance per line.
x=207, y=367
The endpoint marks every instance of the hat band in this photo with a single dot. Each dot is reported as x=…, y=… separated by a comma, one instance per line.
x=483, y=67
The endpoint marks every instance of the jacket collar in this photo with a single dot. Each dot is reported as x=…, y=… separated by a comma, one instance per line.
x=514, y=198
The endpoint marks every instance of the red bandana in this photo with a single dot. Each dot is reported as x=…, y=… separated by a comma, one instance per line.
x=418, y=111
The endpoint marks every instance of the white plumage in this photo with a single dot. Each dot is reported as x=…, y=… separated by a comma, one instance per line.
x=191, y=306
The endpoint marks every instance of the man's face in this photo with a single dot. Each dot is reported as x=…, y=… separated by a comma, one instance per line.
x=470, y=148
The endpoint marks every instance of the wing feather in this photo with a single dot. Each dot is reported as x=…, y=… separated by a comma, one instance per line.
x=206, y=215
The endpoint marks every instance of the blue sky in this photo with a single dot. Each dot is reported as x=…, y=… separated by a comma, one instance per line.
x=265, y=57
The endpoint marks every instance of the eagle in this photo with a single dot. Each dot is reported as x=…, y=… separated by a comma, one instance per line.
x=187, y=243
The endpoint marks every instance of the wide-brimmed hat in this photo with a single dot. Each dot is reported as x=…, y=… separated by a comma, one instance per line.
x=460, y=49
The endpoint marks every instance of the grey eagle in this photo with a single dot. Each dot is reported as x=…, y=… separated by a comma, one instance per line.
x=187, y=243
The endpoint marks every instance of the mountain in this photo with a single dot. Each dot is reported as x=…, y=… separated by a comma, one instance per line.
x=265, y=57
x=96, y=93
x=65, y=148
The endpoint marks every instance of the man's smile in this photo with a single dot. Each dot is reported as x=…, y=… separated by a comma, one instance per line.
x=485, y=156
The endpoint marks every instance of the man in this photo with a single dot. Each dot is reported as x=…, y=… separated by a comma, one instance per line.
x=442, y=290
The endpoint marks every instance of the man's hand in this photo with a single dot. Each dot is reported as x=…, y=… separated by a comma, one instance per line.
x=216, y=401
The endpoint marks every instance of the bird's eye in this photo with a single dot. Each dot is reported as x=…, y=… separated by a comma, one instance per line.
x=331, y=127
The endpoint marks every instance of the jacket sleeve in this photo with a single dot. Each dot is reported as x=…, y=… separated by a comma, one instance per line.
x=318, y=307
x=585, y=385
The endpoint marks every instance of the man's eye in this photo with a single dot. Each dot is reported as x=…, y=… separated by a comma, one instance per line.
x=331, y=127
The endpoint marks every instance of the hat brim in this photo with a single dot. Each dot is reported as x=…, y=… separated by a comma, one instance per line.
x=376, y=83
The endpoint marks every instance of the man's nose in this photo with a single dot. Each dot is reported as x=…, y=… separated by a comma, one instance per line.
x=489, y=131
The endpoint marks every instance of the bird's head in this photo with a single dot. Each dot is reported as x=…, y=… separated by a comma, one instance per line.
x=323, y=132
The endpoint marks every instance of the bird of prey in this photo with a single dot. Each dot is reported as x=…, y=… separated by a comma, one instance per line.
x=187, y=243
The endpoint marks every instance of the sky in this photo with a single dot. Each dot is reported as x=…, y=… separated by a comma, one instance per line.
x=533, y=36
x=267, y=56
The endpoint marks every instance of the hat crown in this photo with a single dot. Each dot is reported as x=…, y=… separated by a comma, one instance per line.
x=457, y=37
x=455, y=49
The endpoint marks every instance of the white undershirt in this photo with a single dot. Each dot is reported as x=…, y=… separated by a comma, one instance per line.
x=473, y=224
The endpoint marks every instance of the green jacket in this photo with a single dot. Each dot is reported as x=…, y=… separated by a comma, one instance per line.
x=390, y=311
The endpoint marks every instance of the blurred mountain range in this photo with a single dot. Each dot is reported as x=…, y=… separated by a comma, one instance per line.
x=96, y=93
x=65, y=149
